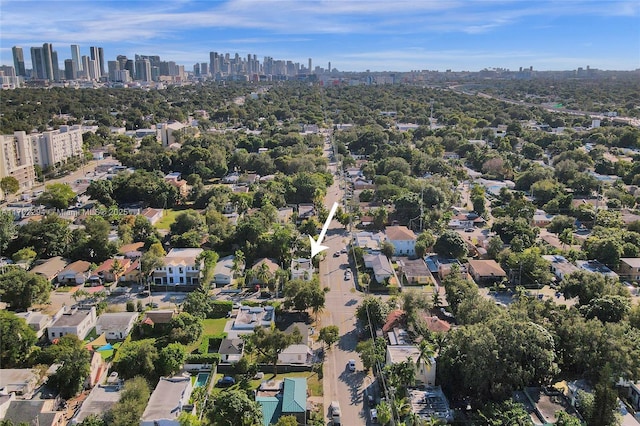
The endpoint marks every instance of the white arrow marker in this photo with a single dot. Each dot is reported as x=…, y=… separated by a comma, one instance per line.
x=317, y=247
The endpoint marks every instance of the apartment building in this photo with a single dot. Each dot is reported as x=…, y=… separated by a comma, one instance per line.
x=16, y=161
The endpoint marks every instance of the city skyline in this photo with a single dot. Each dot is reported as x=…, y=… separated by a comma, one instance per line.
x=352, y=35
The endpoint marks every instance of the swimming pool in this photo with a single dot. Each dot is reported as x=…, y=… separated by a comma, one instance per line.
x=201, y=380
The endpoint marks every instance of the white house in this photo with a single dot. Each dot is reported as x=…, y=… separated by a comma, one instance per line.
x=425, y=372
x=231, y=350
x=116, y=325
x=73, y=321
x=380, y=265
x=296, y=354
x=302, y=269
x=249, y=318
x=168, y=400
x=403, y=240
x=223, y=272
x=180, y=267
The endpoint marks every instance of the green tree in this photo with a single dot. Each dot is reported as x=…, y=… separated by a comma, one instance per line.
x=129, y=408
x=605, y=401
x=57, y=195
x=372, y=310
x=287, y=421
x=450, y=245
x=384, y=412
x=20, y=289
x=506, y=413
x=372, y=352
x=137, y=358
x=458, y=289
x=27, y=254
x=588, y=286
x=170, y=359
x=9, y=185
x=7, y=229
x=329, y=335
x=197, y=303
x=74, y=367
x=185, y=328
x=235, y=408
x=17, y=340
x=609, y=308
x=269, y=344
x=93, y=420
x=565, y=419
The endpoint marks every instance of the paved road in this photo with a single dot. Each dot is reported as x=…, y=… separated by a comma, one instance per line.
x=339, y=383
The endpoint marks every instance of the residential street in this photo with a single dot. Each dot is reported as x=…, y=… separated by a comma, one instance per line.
x=339, y=383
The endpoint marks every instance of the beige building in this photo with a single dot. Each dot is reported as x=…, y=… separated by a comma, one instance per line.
x=16, y=161
x=53, y=147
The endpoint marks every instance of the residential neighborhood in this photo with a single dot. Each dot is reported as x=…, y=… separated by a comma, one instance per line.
x=475, y=268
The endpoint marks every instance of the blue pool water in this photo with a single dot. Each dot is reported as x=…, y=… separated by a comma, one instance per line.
x=201, y=379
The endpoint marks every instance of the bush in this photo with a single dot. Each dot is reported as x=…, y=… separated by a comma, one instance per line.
x=220, y=308
x=131, y=307
x=203, y=359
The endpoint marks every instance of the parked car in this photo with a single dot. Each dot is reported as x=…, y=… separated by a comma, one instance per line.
x=347, y=275
x=373, y=413
x=336, y=254
x=468, y=230
x=352, y=365
x=226, y=381
x=334, y=409
x=153, y=305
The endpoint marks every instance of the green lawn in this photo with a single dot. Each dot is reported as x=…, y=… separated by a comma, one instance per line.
x=314, y=384
x=210, y=327
x=168, y=218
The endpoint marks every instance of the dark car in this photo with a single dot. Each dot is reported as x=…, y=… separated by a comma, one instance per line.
x=226, y=381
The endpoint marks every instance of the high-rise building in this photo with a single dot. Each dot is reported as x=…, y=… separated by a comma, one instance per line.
x=97, y=54
x=113, y=66
x=47, y=58
x=16, y=160
x=37, y=63
x=70, y=70
x=56, y=65
x=76, y=58
x=310, y=69
x=18, y=61
x=143, y=70
x=204, y=69
x=214, y=61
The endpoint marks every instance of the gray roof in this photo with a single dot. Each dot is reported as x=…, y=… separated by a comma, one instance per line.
x=114, y=321
x=72, y=318
x=101, y=399
x=15, y=379
x=231, y=347
x=26, y=411
x=167, y=398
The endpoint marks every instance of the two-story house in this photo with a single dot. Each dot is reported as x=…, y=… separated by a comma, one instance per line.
x=181, y=267
x=73, y=321
x=403, y=240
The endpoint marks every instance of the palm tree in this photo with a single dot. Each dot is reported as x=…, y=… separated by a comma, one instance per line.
x=263, y=274
x=426, y=353
x=117, y=269
x=238, y=262
x=436, y=300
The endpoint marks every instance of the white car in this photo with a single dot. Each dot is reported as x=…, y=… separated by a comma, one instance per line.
x=334, y=409
x=347, y=275
x=352, y=365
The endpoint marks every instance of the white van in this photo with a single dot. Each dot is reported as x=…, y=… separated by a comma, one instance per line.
x=335, y=412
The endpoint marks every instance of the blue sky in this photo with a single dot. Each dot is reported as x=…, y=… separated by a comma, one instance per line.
x=353, y=35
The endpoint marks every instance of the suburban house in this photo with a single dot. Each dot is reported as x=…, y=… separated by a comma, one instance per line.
x=434, y=324
x=445, y=266
x=425, y=371
x=31, y=412
x=403, y=240
x=152, y=215
x=368, y=241
x=430, y=403
x=541, y=219
x=75, y=273
x=97, y=366
x=271, y=266
x=116, y=325
x=223, y=272
x=37, y=321
x=73, y=321
x=380, y=265
x=231, y=350
x=305, y=211
x=415, y=272
x=460, y=221
x=302, y=269
x=174, y=179
x=49, y=268
x=560, y=266
x=296, y=354
x=596, y=267
x=249, y=318
x=169, y=399
x=104, y=271
x=284, y=215
x=181, y=267
x=21, y=381
x=99, y=401
x=486, y=271
x=132, y=274
x=283, y=398
x=634, y=395
x=630, y=268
